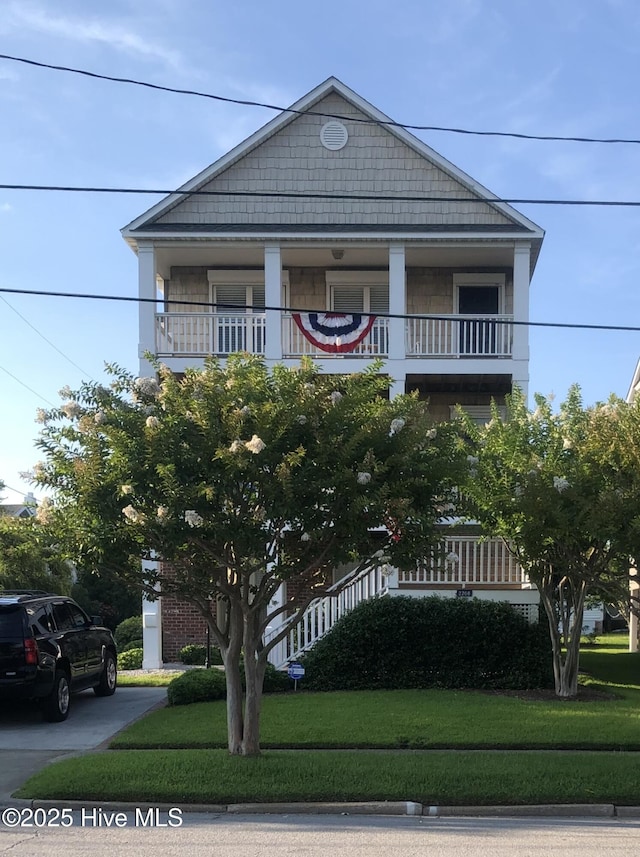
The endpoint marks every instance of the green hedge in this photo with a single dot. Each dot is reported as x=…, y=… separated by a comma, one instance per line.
x=128, y=631
x=131, y=659
x=195, y=654
x=431, y=642
x=207, y=685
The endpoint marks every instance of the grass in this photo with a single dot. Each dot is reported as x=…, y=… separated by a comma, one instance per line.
x=127, y=679
x=393, y=719
x=402, y=719
x=211, y=776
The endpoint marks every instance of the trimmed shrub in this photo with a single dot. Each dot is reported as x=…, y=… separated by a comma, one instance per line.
x=195, y=654
x=130, y=660
x=128, y=631
x=197, y=686
x=206, y=685
x=431, y=642
x=134, y=644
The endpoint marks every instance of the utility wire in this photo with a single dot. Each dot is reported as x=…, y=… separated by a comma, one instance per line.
x=231, y=308
x=249, y=103
x=27, y=387
x=328, y=196
x=48, y=341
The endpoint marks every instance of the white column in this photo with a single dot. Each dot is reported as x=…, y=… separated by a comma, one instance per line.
x=521, y=280
x=397, y=326
x=151, y=629
x=146, y=310
x=273, y=298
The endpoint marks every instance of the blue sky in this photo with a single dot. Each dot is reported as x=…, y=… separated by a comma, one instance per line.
x=562, y=68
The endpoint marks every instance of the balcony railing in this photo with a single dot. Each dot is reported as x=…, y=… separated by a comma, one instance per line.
x=466, y=561
x=295, y=344
x=200, y=333
x=460, y=336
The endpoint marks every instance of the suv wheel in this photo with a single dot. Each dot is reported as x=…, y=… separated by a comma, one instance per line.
x=109, y=677
x=56, y=705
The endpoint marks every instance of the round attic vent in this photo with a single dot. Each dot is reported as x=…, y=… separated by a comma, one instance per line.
x=333, y=135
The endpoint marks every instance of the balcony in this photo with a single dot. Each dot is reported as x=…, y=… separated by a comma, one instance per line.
x=467, y=562
x=199, y=334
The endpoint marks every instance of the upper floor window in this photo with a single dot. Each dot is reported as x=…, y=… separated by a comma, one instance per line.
x=358, y=291
x=479, y=294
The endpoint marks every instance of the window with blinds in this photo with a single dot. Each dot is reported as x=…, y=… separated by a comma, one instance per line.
x=374, y=298
x=235, y=331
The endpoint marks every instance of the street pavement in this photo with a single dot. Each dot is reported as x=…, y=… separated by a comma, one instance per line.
x=27, y=742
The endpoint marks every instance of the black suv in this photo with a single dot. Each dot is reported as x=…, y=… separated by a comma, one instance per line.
x=49, y=649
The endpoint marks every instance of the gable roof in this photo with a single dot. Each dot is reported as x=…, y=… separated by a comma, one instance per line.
x=414, y=170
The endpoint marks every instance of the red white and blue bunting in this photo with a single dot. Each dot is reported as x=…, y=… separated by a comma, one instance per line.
x=333, y=331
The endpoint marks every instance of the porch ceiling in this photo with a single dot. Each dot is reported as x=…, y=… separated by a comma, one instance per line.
x=250, y=254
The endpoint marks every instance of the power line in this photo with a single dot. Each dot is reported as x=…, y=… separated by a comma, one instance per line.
x=285, y=309
x=248, y=103
x=48, y=341
x=327, y=196
x=27, y=387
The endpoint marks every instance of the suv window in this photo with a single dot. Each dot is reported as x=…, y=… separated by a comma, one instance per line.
x=40, y=620
x=61, y=613
x=77, y=616
x=11, y=620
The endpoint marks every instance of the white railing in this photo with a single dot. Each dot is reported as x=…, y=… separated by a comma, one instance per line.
x=322, y=614
x=466, y=561
x=201, y=333
x=460, y=336
x=295, y=343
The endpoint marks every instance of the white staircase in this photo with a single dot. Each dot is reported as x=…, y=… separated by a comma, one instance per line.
x=322, y=614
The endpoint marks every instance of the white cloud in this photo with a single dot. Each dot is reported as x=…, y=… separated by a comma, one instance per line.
x=35, y=17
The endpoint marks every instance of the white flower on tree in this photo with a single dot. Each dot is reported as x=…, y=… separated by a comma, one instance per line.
x=431, y=434
x=255, y=445
x=472, y=460
x=567, y=443
x=335, y=397
x=162, y=514
x=396, y=425
x=301, y=419
x=560, y=484
x=44, y=511
x=452, y=558
x=41, y=415
x=126, y=489
x=145, y=387
x=152, y=422
x=133, y=515
x=305, y=537
x=236, y=446
x=193, y=518
x=71, y=409
x=364, y=478
x=99, y=418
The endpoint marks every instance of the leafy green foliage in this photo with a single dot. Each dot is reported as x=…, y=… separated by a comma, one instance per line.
x=242, y=477
x=128, y=630
x=30, y=558
x=134, y=644
x=196, y=654
x=130, y=659
x=563, y=488
x=430, y=642
x=208, y=685
x=102, y=593
x=197, y=686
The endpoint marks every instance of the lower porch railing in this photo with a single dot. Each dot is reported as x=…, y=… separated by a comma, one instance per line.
x=322, y=614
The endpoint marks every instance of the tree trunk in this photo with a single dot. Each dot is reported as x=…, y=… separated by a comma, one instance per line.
x=231, y=660
x=254, y=669
x=569, y=611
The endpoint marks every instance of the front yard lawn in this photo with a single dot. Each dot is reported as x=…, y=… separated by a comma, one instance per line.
x=211, y=776
x=403, y=719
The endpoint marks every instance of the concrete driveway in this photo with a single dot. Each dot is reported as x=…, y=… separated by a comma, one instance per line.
x=27, y=742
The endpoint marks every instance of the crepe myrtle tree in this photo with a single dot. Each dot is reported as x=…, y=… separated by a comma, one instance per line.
x=563, y=489
x=242, y=478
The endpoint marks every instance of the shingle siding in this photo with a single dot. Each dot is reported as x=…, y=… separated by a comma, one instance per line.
x=374, y=161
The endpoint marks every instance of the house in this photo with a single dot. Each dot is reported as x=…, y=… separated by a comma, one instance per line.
x=26, y=509
x=332, y=207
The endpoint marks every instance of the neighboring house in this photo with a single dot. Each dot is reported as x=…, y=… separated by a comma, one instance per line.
x=424, y=240
x=26, y=509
